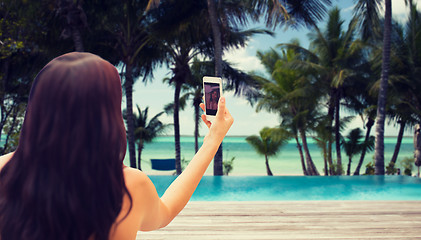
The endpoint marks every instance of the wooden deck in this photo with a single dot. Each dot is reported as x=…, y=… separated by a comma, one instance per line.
x=294, y=220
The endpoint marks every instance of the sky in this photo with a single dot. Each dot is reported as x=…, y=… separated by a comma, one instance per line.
x=247, y=121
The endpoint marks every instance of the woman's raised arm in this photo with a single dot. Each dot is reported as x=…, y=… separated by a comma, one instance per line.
x=162, y=211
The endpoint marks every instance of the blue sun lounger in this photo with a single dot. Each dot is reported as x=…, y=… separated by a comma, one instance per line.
x=163, y=164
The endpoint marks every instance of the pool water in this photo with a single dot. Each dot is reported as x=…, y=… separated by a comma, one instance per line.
x=300, y=188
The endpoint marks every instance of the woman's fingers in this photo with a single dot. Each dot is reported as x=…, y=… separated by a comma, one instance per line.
x=206, y=121
x=223, y=120
x=202, y=106
x=221, y=108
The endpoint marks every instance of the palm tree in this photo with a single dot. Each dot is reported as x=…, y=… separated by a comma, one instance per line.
x=268, y=143
x=185, y=34
x=404, y=70
x=353, y=145
x=381, y=104
x=291, y=94
x=226, y=15
x=367, y=11
x=360, y=100
x=334, y=58
x=25, y=47
x=323, y=139
x=268, y=60
x=370, y=112
x=198, y=69
x=339, y=54
x=128, y=26
x=146, y=129
x=74, y=21
x=308, y=13
x=382, y=96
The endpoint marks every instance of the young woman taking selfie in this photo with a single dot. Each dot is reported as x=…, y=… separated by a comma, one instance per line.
x=66, y=179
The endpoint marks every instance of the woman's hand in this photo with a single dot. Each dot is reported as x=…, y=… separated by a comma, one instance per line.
x=222, y=123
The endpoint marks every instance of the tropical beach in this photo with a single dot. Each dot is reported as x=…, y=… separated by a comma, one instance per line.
x=322, y=139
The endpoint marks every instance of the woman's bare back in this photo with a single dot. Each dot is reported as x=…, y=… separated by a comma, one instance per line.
x=147, y=211
x=126, y=226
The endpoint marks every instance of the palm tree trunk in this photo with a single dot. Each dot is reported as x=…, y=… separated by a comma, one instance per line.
x=217, y=161
x=217, y=40
x=177, y=127
x=329, y=157
x=398, y=142
x=300, y=150
x=381, y=105
x=338, y=134
x=196, y=126
x=348, y=170
x=417, y=146
x=331, y=116
x=12, y=125
x=139, y=154
x=311, y=168
x=369, y=125
x=73, y=13
x=3, y=113
x=129, y=111
x=268, y=171
x=326, y=170
x=77, y=39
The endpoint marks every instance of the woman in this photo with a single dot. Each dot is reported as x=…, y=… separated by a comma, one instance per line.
x=213, y=100
x=66, y=179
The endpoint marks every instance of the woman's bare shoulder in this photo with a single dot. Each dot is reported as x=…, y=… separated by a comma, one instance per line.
x=5, y=159
x=135, y=178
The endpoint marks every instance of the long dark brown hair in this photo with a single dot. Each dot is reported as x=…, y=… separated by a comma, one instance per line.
x=65, y=180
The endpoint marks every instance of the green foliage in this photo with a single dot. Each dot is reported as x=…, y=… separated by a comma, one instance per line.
x=407, y=164
x=289, y=92
x=183, y=164
x=145, y=129
x=269, y=141
x=391, y=169
x=24, y=49
x=228, y=165
x=335, y=167
x=12, y=129
x=353, y=142
x=302, y=80
x=369, y=169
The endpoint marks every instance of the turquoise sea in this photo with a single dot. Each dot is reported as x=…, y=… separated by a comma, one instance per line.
x=248, y=162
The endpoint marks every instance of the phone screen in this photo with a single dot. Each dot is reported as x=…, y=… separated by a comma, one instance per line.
x=211, y=97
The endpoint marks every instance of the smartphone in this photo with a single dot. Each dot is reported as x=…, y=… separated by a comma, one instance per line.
x=212, y=87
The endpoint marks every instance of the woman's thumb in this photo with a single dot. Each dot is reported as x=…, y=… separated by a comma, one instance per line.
x=221, y=107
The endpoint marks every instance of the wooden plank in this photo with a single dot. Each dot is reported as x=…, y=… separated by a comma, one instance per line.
x=294, y=220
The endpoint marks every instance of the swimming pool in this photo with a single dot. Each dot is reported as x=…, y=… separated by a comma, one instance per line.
x=300, y=188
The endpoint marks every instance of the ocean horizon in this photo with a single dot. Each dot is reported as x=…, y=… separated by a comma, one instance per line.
x=248, y=162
